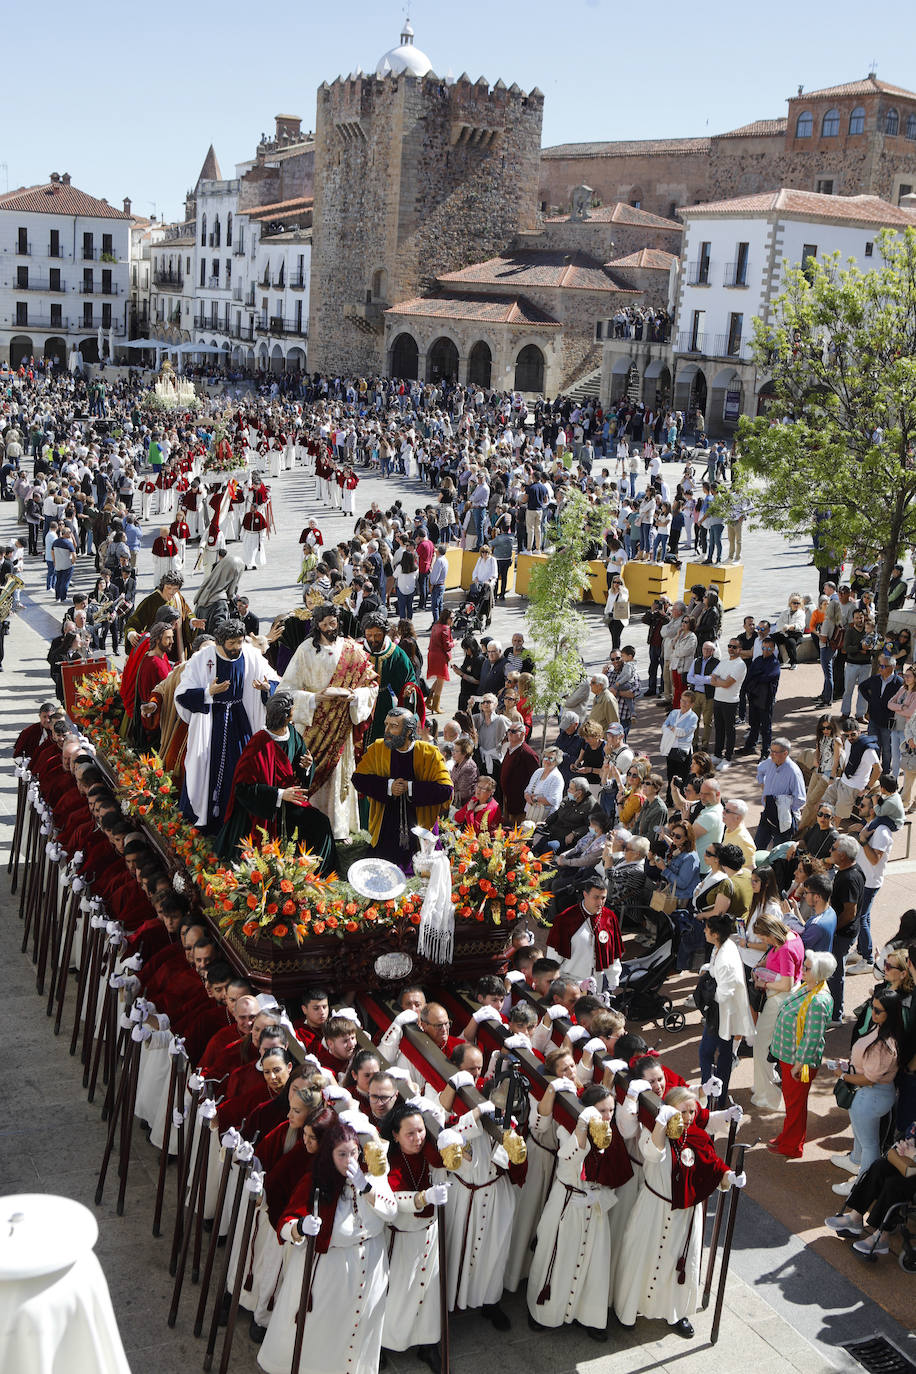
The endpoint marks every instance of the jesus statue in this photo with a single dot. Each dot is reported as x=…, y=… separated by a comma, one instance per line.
x=334, y=688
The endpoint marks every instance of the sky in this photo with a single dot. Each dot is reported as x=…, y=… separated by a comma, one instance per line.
x=128, y=98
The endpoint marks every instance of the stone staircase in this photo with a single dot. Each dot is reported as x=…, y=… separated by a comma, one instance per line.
x=587, y=386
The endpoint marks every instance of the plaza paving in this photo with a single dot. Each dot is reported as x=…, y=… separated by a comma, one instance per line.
x=796, y=1292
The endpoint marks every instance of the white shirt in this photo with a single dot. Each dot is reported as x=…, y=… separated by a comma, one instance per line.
x=882, y=840
x=733, y=667
x=859, y=780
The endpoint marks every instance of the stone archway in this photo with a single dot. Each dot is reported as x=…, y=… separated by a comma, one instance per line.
x=89, y=349
x=480, y=365
x=442, y=361
x=529, y=369
x=405, y=358
x=56, y=349
x=20, y=349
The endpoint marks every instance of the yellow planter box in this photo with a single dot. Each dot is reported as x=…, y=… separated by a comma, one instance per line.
x=646, y=581
x=453, y=576
x=469, y=559
x=523, y=568
x=726, y=578
x=597, y=581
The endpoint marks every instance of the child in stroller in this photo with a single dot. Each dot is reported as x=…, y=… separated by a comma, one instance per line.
x=475, y=611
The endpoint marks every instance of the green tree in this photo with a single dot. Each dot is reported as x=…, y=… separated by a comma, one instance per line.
x=841, y=351
x=557, y=626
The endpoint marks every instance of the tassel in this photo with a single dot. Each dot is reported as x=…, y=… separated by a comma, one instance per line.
x=544, y=1295
x=805, y=1074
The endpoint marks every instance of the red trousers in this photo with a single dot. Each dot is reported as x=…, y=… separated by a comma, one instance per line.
x=678, y=683
x=791, y=1139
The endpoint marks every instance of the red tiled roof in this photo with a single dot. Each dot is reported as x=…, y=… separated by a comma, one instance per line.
x=485, y=309
x=619, y=213
x=758, y=128
x=545, y=268
x=279, y=207
x=655, y=258
x=869, y=86
x=59, y=198
x=636, y=147
x=855, y=209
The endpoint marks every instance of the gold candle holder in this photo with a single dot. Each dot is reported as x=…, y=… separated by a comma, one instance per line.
x=600, y=1132
x=515, y=1147
x=675, y=1127
x=375, y=1153
x=452, y=1157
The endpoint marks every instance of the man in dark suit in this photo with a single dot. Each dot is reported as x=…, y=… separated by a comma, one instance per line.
x=698, y=678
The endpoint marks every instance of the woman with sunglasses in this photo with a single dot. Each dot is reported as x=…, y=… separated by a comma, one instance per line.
x=681, y=869
x=789, y=629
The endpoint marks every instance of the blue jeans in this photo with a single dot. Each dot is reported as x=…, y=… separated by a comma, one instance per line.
x=869, y=1106
x=885, y=745
x=826, y=655
x=632, y=485
x=896, y=746
x=422, y=589
x=477, y=514
x=863, y=944
x=853, y=674
x=62, y=582
x=659, y=548
x=716, y=1057
x=49, y=580
x=714, y=550
x=436, y=593
x=405, y=605
x=655, y=663
x=645, y=537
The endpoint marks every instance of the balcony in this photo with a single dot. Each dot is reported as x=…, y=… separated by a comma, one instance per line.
x=736, y=274
x=66, y=326
x=213, y=284
x=38, y=284
x=298, y=281
x=239, y=250
x=171, y=281
x=279, y=281
x=726, y=346
x=23, y=249
x=56, y=252
x=698, y=272
x=242, y=331
x=88, y=288
x=689, y=342
x=278, y=326
x=249, y=299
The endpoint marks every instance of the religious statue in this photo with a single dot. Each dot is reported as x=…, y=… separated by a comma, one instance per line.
x=580, y=202
x=407, y=784
x=334, y=689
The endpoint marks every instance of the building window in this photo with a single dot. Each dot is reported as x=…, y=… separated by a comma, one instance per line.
x=892, y=123
x=909, y=129
x=203, y=272
x=216, y=240
x=869, y=249
x=106, y=315
x=56, y=316
x=599, y=330
x=824, y=186
x=108, y=245
x=857, y=121
x=697, y=330
x=741, y=257
x=87, y=314
x=904, y=189
x=54, y=245
x=88, y=247
x=54, y=279
x=22, y=312
x=830, y=127
x=804, y=125
x=22, y=241
x=203, y=231
x=229, y=230
x=22, y=278
x=735, y=327
x=809, y=257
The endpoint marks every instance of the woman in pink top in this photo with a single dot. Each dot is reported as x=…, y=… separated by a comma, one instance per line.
x=777, y=974
x=871, y=1071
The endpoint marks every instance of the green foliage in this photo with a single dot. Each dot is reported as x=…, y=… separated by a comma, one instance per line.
x=841, y=352
x=557, y=626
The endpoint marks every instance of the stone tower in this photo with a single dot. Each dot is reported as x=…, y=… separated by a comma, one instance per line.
x=414, y=176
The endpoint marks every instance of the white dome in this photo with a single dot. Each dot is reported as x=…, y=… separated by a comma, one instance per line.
x=404, y=58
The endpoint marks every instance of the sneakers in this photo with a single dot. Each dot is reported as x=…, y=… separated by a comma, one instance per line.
x=843, y=1223
x=870, y=1247
x=844, y=1189
x=844, y=1162
x=723, y=765
x=858, y=966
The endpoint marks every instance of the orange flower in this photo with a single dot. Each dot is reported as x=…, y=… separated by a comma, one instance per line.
x=286, y=885
x=280, y=931
x=351, y=908
x=301, y=931
x=465, y=911
x=523, y=907
x=318, y=927
x=256, y=876
x=463, y=889
x=537, y=867
x=370, y=914
x=289, y=908
x=414, y=918
x=252, y=901
x=510, y=877
x=227, y=905
x=272, y=908
x=462, y=867
x=487, y=853
x=510, y=899
x=249, y=928
x=351, y=926
x=332, y=923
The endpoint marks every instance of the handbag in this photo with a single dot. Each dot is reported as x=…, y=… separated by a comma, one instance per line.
x=666, y=743
x=704, y=997
x=663, y=899
x=537, y=812
x=844, y=1093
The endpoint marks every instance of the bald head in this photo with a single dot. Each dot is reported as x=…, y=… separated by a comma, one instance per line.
x=246, y=1009
x=434, y=1021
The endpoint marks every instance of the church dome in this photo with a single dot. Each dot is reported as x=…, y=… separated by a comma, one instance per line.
x=404, y=58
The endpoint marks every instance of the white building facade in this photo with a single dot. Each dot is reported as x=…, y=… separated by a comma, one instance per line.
x=64, y=273
x=733, y=268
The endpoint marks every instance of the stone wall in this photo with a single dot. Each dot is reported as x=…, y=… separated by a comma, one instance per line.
x=602, y=241
x=412, y=178
x=659, y=181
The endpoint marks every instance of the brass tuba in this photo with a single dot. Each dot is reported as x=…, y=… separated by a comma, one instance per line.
x=7, y=592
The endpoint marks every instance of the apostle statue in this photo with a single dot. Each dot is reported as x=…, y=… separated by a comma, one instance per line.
x=223, y=693
x=334, y=689
x=407, y=784
x=168, y=593
x=270, y=790
x=393, y=667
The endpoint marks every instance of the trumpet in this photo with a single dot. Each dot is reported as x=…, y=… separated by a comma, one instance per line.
x=7, y=595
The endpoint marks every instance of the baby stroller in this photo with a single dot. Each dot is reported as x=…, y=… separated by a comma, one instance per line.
x=637, y=994
x=475, y=611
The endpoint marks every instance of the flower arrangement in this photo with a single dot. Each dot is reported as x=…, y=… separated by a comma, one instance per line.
x=98, y=697
x=275, y=892
x=496, y=877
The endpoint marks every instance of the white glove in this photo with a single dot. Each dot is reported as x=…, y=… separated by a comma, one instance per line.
x=195, y=1083
x=594, y=1045
x=312, y=1059
x=461, y=1079
x=404, y=1018
x=554, y=1013
x=487, y=1013
x=399, y=1075
x=713, y=1086
x=616, y=1065
x=575, y=1034
x=665, y=1113
x=437, y=1195
x=588, y=986
x=134, y=963
x=516, y=976
x=349, y=1014
x=562, y=1085
x=356, y=1176
x=310, y=1225
x=589, y=1114
x=732, y=1113
x=517, y=1042
x=359, y=1122
x=141, y=1033
x=735, y=1180
x=637, y=1086
x=500, y=1158
x=333, y=1092
x=487, y=1108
